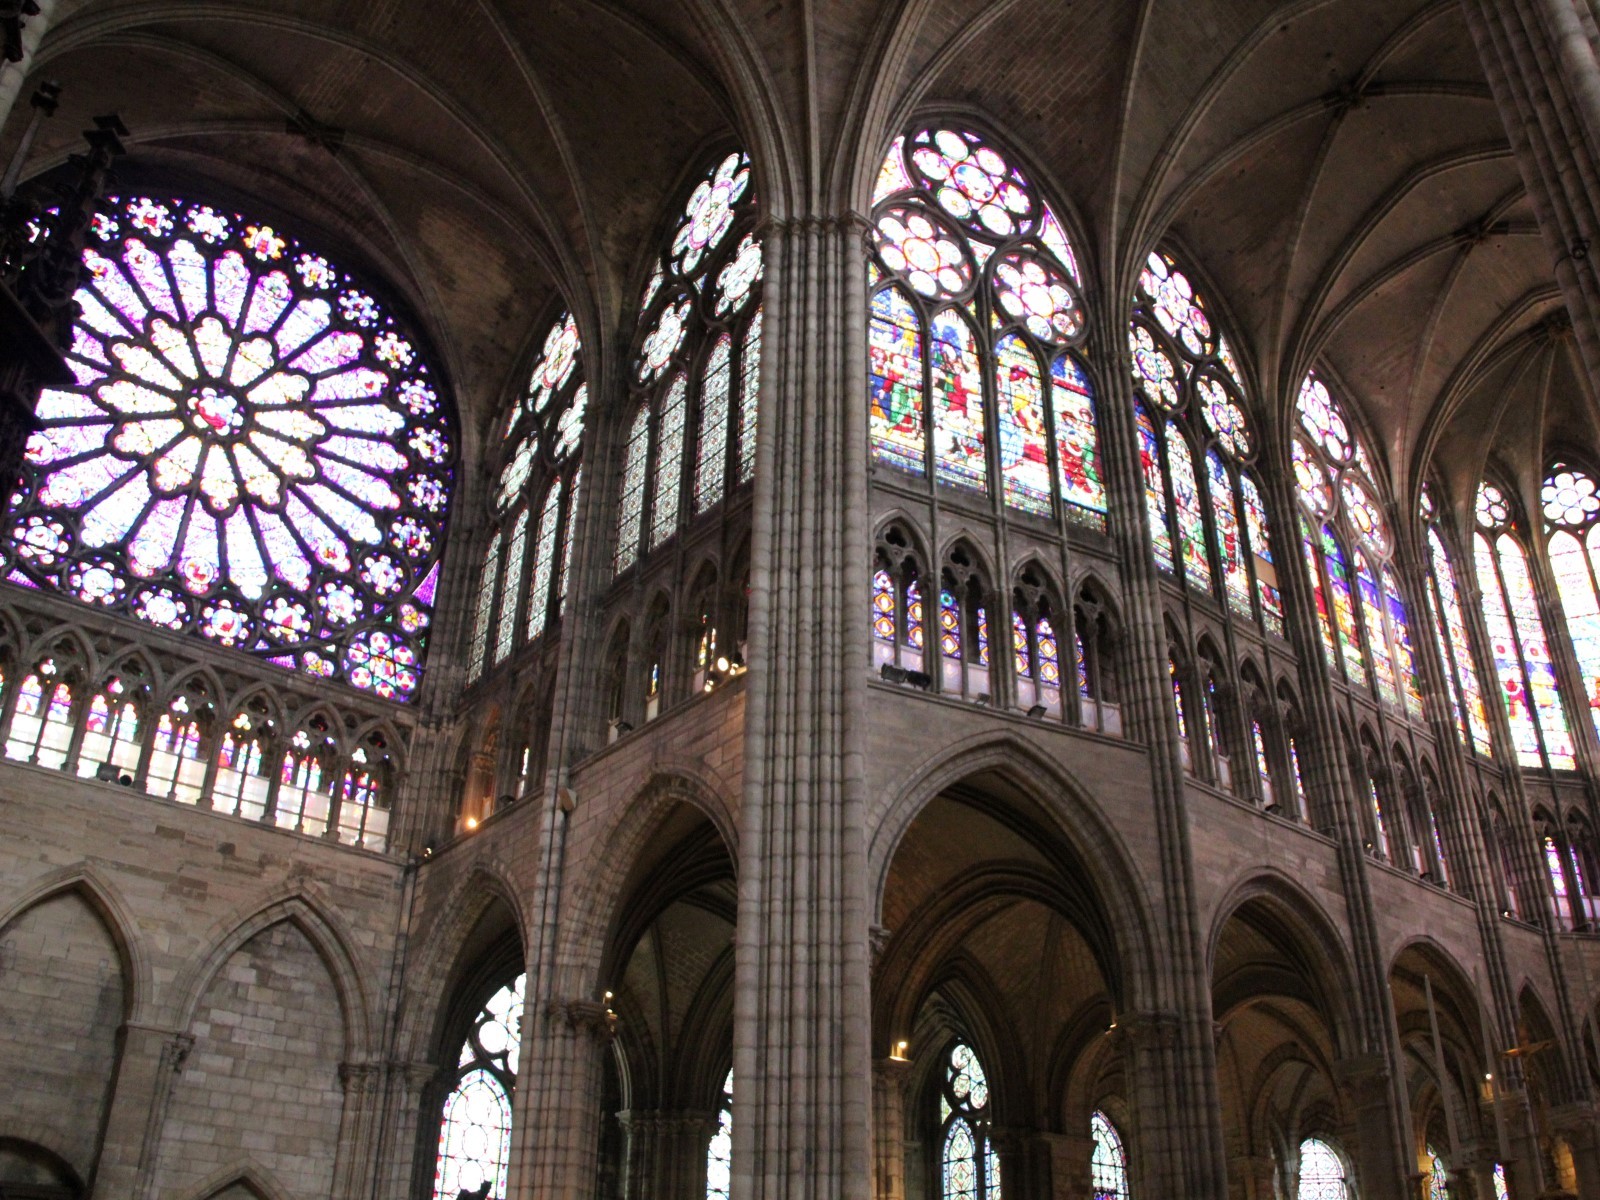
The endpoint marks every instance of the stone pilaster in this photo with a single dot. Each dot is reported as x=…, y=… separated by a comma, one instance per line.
x=802, y=991
x=889, y=1077
x=147, y=1061
x=356, y=1154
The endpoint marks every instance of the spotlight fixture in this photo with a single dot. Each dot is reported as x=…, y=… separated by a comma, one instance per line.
x=471, y=823
x=1038, y=711
x=919, y=679
x=899, y=1054
x=981, y=698
x=1274, y=808
x=624, y=726
x=892, y=674
x=723, y=666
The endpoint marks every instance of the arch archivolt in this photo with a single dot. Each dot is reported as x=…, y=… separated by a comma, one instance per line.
x=103, y=898
x=1066, y=803
x=319, y=922
x=432, y=971
x=600, y=871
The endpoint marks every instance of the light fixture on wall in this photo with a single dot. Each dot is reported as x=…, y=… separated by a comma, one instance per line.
x=470, y=823
x=900, y=1052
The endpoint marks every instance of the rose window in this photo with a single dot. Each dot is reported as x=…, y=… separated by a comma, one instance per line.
x=1039, y=296
x=930, y=256
x=710, y=212
x=253, y=451
x=974, y=183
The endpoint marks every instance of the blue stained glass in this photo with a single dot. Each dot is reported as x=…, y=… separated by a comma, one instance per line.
x=1372, y=618
x=1230, y=544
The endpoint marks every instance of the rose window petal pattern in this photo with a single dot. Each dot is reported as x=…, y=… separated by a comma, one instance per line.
x=1038, y=296
x=663, y=340
x=1569, y=497
x=709, y=213
x=736, y=280
x=1175, y=305
x=246, y=433
x=1321, y=418
x=912, y=242
x=1225, y=417
x=973, y=182
x=556, y=363
x=1153, y=369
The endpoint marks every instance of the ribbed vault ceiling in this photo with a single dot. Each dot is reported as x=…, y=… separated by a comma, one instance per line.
x=1334, y=170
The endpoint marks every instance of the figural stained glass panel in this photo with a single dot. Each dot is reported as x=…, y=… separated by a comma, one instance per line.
x=958, y=424
x=1188, y=510
x=895, y=336
x=1024, y=441
x=252, y=450
x=1077, y=454
x=1235, y=575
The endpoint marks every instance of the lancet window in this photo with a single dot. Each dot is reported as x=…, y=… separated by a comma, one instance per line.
x=1348, y=547
x=719, y=1154
x=1517, y=641
x=534, y=503
x=1450, y=633
x=964, y=649
x=1207, y=518
x=697, y=367
x=969, y=1166
x=899, y=636
x=252, y=451
x=475, y=1125
x=1108, y=1165
x=1322, y=1175
x=976, y=316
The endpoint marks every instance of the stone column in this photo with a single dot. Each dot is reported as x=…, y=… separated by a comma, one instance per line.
x=666, y=1154
x=889, y=1078
x=148, y=1061
x=1576, y=1124
x=1253, y=1177
x=1027, y=1163
x=554, y=1148
x=409, y=1100
x=802, y=987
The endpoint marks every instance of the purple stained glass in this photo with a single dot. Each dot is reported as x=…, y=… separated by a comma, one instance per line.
x=1377, y=641
x=247, y=426
x=1266, y=571
x=1405, y=659
x=1543, y=693
x=1342, y=596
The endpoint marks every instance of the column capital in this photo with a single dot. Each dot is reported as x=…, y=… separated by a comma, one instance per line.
x=175, y=1050
x=1151, y=1030
x=357, y=1079
x=584, y=1016
x=667, y=1121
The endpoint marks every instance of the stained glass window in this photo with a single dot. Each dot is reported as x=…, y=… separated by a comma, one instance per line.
x=1255, y=520
x=719, y=1155
x=712, y=445
x=1572, y=521
x=1077, y=455
x=480, y=625
x=1108, y=1166
x=749, y=397
x=1372, y=619
x=949, y=626
x=1450, y=628
x=543, y=559
x=963, y=244
x=669, y=463
x=703, y=292
x=1517, y=639
x=1184, y=368
x=630, y=513
x=969, y=1165
x=564, y=566
x=511, y=594
x=1024, y=441
x=1155, y=491
x=883, y=607
x=958, y=425
x=1188, y=510
x=1230, y=548
x=1335, y=487
x=475, y=1126
x=252, y=449
x=897, y=414
x=1502, y=1190
x=1321, y=1172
